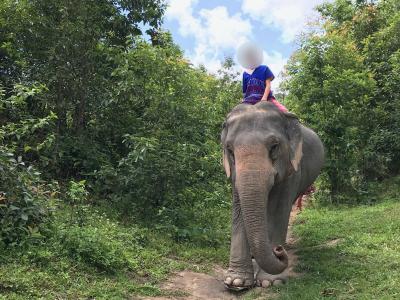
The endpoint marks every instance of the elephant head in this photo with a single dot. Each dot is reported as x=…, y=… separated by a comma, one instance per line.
x=261, y=148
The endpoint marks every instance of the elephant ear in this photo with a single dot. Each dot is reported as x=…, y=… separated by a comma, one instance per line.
x=295, y=137
x=225, y=160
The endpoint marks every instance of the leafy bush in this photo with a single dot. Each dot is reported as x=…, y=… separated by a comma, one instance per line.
x=204, y=222
x=132, y=118
x=77, y=197
x=343, y=82
x=26, y=201
x=101, y=242
x=87, y=244
x=168, y=159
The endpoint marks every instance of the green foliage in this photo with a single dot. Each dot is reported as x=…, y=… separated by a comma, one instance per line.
x=130, y=128
x=85, y=244
x=325, y=97
x=65, y=46
x=105, y=259
x=101, y=243
x=86, y=98
x=20, y=129
x=77, y=197
x=341, y=82
x=77, y=193
x=25, y=200
x=169, y=131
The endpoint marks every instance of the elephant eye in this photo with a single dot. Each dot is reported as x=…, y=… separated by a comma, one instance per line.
x=273, y=152
x=231, y=155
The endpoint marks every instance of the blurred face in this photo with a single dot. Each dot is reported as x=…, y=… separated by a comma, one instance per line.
x=250, y=56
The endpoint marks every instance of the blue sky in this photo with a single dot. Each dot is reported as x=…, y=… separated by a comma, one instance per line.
x=210, y=30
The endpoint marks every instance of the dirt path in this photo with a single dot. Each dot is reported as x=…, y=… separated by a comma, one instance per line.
x=198, y=286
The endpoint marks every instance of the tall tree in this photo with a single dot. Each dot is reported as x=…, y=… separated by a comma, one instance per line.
x=340, y=78
x=68, y=46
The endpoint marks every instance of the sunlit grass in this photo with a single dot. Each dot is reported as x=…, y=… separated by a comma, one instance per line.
x=349, y=252
x=345, y=252
x=103, y=260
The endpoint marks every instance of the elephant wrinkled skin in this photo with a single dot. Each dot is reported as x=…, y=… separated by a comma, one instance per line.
x=271, y=159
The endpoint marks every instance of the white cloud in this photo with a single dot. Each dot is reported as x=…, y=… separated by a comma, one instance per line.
x=222, y=30
x=182, y=11
x=214, y=30
x=276, y=62
x=286, y=15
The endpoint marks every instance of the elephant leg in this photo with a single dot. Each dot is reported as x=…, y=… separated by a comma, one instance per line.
x=240, y=274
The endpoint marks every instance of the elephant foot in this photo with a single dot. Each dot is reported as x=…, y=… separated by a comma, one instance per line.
x=238, y=281
x=265, y=280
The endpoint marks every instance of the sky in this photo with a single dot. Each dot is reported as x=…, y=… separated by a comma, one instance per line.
x=210, y=30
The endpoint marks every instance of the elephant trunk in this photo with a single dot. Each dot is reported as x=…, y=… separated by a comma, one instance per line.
x=253, y=185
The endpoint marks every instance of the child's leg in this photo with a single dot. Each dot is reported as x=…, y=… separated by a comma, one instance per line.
x=277, y=104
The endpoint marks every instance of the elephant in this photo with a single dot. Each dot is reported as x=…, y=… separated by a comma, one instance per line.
x=271, y=159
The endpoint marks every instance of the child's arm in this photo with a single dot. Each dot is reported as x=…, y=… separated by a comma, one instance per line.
x=267, y=90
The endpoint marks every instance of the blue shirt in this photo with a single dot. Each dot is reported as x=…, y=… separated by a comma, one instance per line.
x=254, y=84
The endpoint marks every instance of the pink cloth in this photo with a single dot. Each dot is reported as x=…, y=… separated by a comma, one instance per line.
x=272, y=99
x=278, y=105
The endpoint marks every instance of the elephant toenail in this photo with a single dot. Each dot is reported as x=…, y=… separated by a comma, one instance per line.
x=228, y=280
x=266, y=283
x=238, y=282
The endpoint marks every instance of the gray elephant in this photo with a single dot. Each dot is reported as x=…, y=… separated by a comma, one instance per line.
x=271, y=159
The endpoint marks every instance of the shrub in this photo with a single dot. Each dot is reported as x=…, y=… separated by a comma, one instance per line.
x=88, y=244
x=77, y=197
x=25, y=200
x=102, y=243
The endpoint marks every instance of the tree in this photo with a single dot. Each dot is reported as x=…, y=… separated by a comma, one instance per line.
x=340, y=78
x=68, y=47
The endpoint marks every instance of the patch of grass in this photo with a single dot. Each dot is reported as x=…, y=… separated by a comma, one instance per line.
x=346, y=252
x=103, y=259
x=362, y=262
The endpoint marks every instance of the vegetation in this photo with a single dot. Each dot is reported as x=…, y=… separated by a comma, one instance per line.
x=110, y=173
x=346, y=255
x=103, y=259
x=343, y=81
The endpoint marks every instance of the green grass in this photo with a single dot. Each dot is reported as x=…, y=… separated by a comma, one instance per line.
x=104, y=259
x=109, y=259
x=365, y=261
